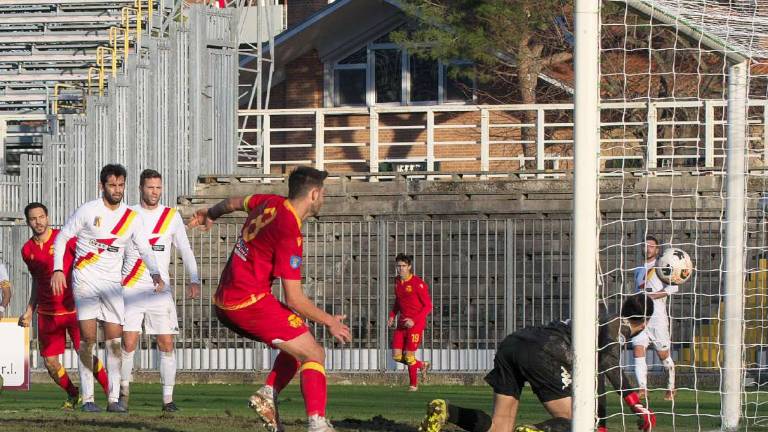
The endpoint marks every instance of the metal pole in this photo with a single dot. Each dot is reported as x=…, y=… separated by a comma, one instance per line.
x=734, y=246
x=584, y=246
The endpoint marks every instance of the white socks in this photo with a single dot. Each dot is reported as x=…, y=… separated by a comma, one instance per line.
x=167, y=374
x=126, y=371
x=641, y=372
x=114, y=367
x=669, y=365
x=85, y=369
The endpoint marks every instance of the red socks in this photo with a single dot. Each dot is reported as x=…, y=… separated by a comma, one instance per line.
x=100, y=373
x=282, y=373
x=413, y=369
x=63, y=381
x=313, y=388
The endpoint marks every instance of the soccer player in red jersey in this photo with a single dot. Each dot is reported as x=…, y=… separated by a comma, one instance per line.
x=56, y=311
x=412, y=305
x=270, y=247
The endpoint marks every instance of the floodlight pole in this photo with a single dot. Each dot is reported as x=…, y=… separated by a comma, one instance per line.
x=584, y=242
x=735, y=177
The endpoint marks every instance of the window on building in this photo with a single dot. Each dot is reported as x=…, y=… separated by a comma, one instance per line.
x=388, y=75
x=383, y=73
x=425, y=76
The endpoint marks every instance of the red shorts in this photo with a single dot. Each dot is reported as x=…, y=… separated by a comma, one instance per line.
x=52, y=333
x=407, y=339
x=267, y=320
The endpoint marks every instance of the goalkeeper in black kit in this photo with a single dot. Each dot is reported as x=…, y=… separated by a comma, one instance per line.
x=542, y=356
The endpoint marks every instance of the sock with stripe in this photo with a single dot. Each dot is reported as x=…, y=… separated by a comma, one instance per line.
x=62, y=379
x=313, y=388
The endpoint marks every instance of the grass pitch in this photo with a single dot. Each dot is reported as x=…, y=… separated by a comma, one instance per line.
x=221, y=407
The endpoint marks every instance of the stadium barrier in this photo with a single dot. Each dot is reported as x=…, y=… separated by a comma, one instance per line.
x=488, y=277
x=159, y=113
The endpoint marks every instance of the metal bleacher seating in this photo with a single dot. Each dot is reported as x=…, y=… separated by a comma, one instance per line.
x=47, y=50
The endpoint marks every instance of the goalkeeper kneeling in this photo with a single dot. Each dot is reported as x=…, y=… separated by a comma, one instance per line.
x=542, y=356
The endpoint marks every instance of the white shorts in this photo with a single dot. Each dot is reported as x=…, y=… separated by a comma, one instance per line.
x=658, y=335
x=98, y=299
x=156, y=310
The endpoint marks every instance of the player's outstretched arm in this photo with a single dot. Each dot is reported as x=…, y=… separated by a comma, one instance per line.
x=204, y=218
x=609, y=362
x=298, y=301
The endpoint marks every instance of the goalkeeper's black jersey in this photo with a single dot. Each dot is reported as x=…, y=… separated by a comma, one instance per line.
x=554, y=341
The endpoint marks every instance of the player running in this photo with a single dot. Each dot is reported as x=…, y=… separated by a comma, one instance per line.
x=657, y=331
x=104, y=227
x=412, y=305
x=55, y=311
x=157, y=310
x=5, y=289
x=270, y=247
x=542, y=356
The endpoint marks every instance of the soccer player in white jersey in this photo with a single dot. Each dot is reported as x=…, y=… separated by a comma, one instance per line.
x=5, y=289
x=104, y=227
x=163, y=226
x=657, y=330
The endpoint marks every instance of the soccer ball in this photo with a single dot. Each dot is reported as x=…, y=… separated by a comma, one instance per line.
x=674, y=267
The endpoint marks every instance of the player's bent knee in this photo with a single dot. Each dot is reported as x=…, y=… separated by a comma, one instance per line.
x=52, y=364
x=410, y=359
x=668, y=363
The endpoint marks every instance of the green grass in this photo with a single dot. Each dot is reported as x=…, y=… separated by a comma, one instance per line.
x=220, y=408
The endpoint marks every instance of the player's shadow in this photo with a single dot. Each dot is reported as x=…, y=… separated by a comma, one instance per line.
x=377, y=423
x=74, y=421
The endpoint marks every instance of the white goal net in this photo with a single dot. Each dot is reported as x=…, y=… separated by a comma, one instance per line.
x=684, y=146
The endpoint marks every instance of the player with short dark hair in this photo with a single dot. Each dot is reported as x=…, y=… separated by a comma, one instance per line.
x=270, y=247
x=56, y=315
x=104, y=227
x=409, y=316
x=543, y=357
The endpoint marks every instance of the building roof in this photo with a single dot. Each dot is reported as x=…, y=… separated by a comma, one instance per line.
x=335, y=29
x=340, y=27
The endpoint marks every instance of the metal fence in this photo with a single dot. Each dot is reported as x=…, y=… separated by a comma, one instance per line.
x=157, y=113
x=488, y=277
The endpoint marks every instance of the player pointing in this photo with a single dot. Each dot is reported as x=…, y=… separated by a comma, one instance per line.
x=270, y=247
x=163, y=227
x=104, y=227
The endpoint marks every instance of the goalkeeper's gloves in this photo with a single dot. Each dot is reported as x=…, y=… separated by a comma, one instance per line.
x=646, y=418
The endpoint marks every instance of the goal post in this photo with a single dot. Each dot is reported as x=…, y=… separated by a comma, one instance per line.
x=682, y=115
x=584, y=244
x=735, y=173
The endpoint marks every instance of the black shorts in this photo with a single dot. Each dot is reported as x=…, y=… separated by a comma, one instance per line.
x=518, y=361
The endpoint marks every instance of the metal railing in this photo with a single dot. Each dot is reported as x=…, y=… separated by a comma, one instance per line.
x=488, y=277
x=491, y=137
